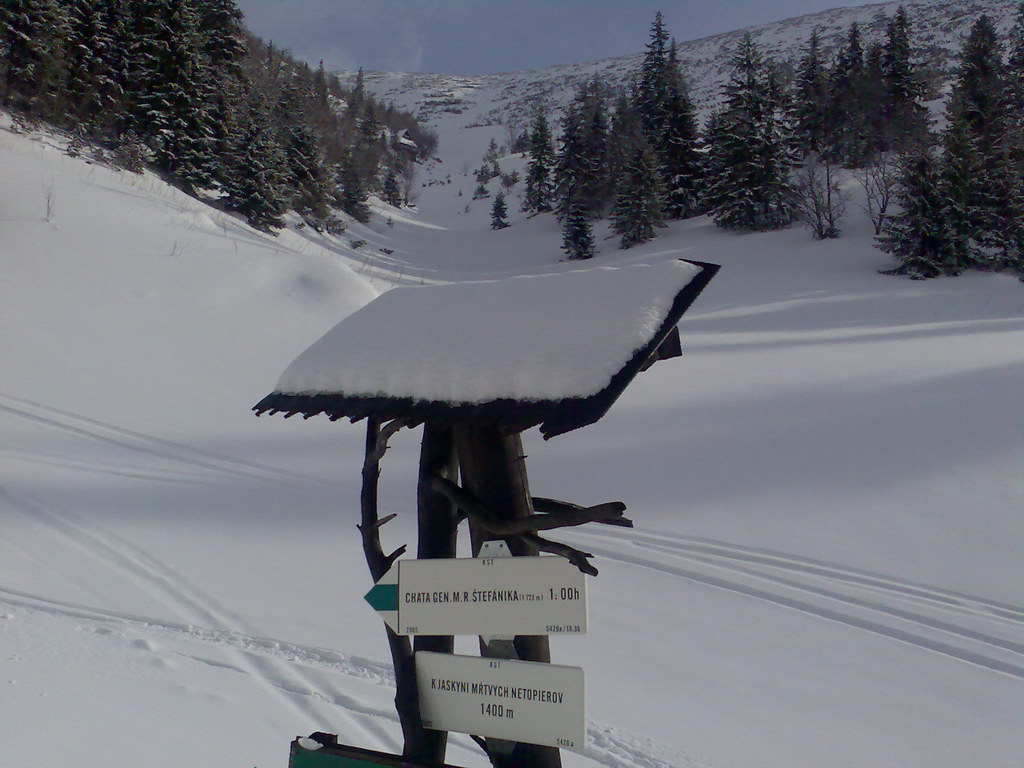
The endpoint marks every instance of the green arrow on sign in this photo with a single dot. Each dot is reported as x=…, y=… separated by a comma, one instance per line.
x=383, y=597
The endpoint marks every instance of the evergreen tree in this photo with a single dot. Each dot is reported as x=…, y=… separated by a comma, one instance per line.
x=353, y=194
x=596, y=190
x=577, y=235
x=391, y=193
x=879, y=127
x=652, y=93
x=961, y=194
x=90, y=89
x=255, y=176
x=499, y=212
x=752, y=162
x=320, y=90
x=223, y=34
x=810, y=100
x=1015, y=100
x=678, y=150
x=919, y=236
x=905, y=117
x=847, y=104
x=623, y=136
x=172, y=86
x=308, y=176
x=581, y=165
x=32, y=43
x=667, y=119
x=1015, y=65
x=639, y=199
x=981, y=96
x=539, y=190
x=572, y=166
x=118, y=20
x=358, y=95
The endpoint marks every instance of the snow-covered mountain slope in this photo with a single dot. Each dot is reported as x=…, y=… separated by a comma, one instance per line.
x=826, y=489
x=511, y=98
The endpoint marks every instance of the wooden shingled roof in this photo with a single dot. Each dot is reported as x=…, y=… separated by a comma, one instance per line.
x=359, y=396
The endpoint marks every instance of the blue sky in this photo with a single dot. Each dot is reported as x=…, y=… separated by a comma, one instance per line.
x=480, y=36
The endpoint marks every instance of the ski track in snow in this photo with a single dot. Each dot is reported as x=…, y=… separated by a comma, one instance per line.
x=297, y=674
x=294, y=684
x=177, y=453
x=874, y=603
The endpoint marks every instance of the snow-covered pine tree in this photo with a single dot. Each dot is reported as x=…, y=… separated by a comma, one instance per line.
x=878, y=127
x=89, y=87
x=652, y=91
x=810, y=99
x=499, y=212
x=597, y=189
x=581, y=164
x=667, y=119
x=847, y=104
x=980, y=91
x=539, y=182
x=959, y=179
x=353, y=194
x=623, y=134
x=320, y=90
x=639, y=197
x=1015, y=64
x=905, y=117
x=1015, y=82
x=918, y=236
x=357, y=96
x=118, y=22
x=577, y=234
x=680, y=157
x=255, y=175
x=571, y=164
x=391, y=192
x=308, y=177
x=171, y=91
x=751, y=158
x=222, y=32
x=33, y=36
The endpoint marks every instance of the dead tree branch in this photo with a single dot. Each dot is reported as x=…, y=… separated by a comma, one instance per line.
x=406, y=697
x=577, y=557
x=563, y=514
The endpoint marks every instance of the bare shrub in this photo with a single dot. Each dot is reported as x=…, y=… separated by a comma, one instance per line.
x=819, y=201
x=880, y=181
x=49, y=200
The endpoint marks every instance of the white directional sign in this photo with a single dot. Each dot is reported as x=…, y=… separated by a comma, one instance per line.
x=482, y=596
x=524, y=701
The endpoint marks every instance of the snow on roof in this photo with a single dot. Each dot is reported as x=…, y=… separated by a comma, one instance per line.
x=525, y=340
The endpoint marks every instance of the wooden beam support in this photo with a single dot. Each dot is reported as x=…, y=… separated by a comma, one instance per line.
x=494, y=472
x=437, y=523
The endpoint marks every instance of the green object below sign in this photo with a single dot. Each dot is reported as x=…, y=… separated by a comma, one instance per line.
x=331, y=754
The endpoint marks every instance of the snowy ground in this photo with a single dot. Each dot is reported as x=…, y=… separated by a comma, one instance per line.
x=827, y=490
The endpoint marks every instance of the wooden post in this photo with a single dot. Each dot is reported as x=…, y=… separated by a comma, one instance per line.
x=437, y=536
x=494, y=471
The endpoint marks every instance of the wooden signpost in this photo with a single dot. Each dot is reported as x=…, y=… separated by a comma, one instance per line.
x=520, y=708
